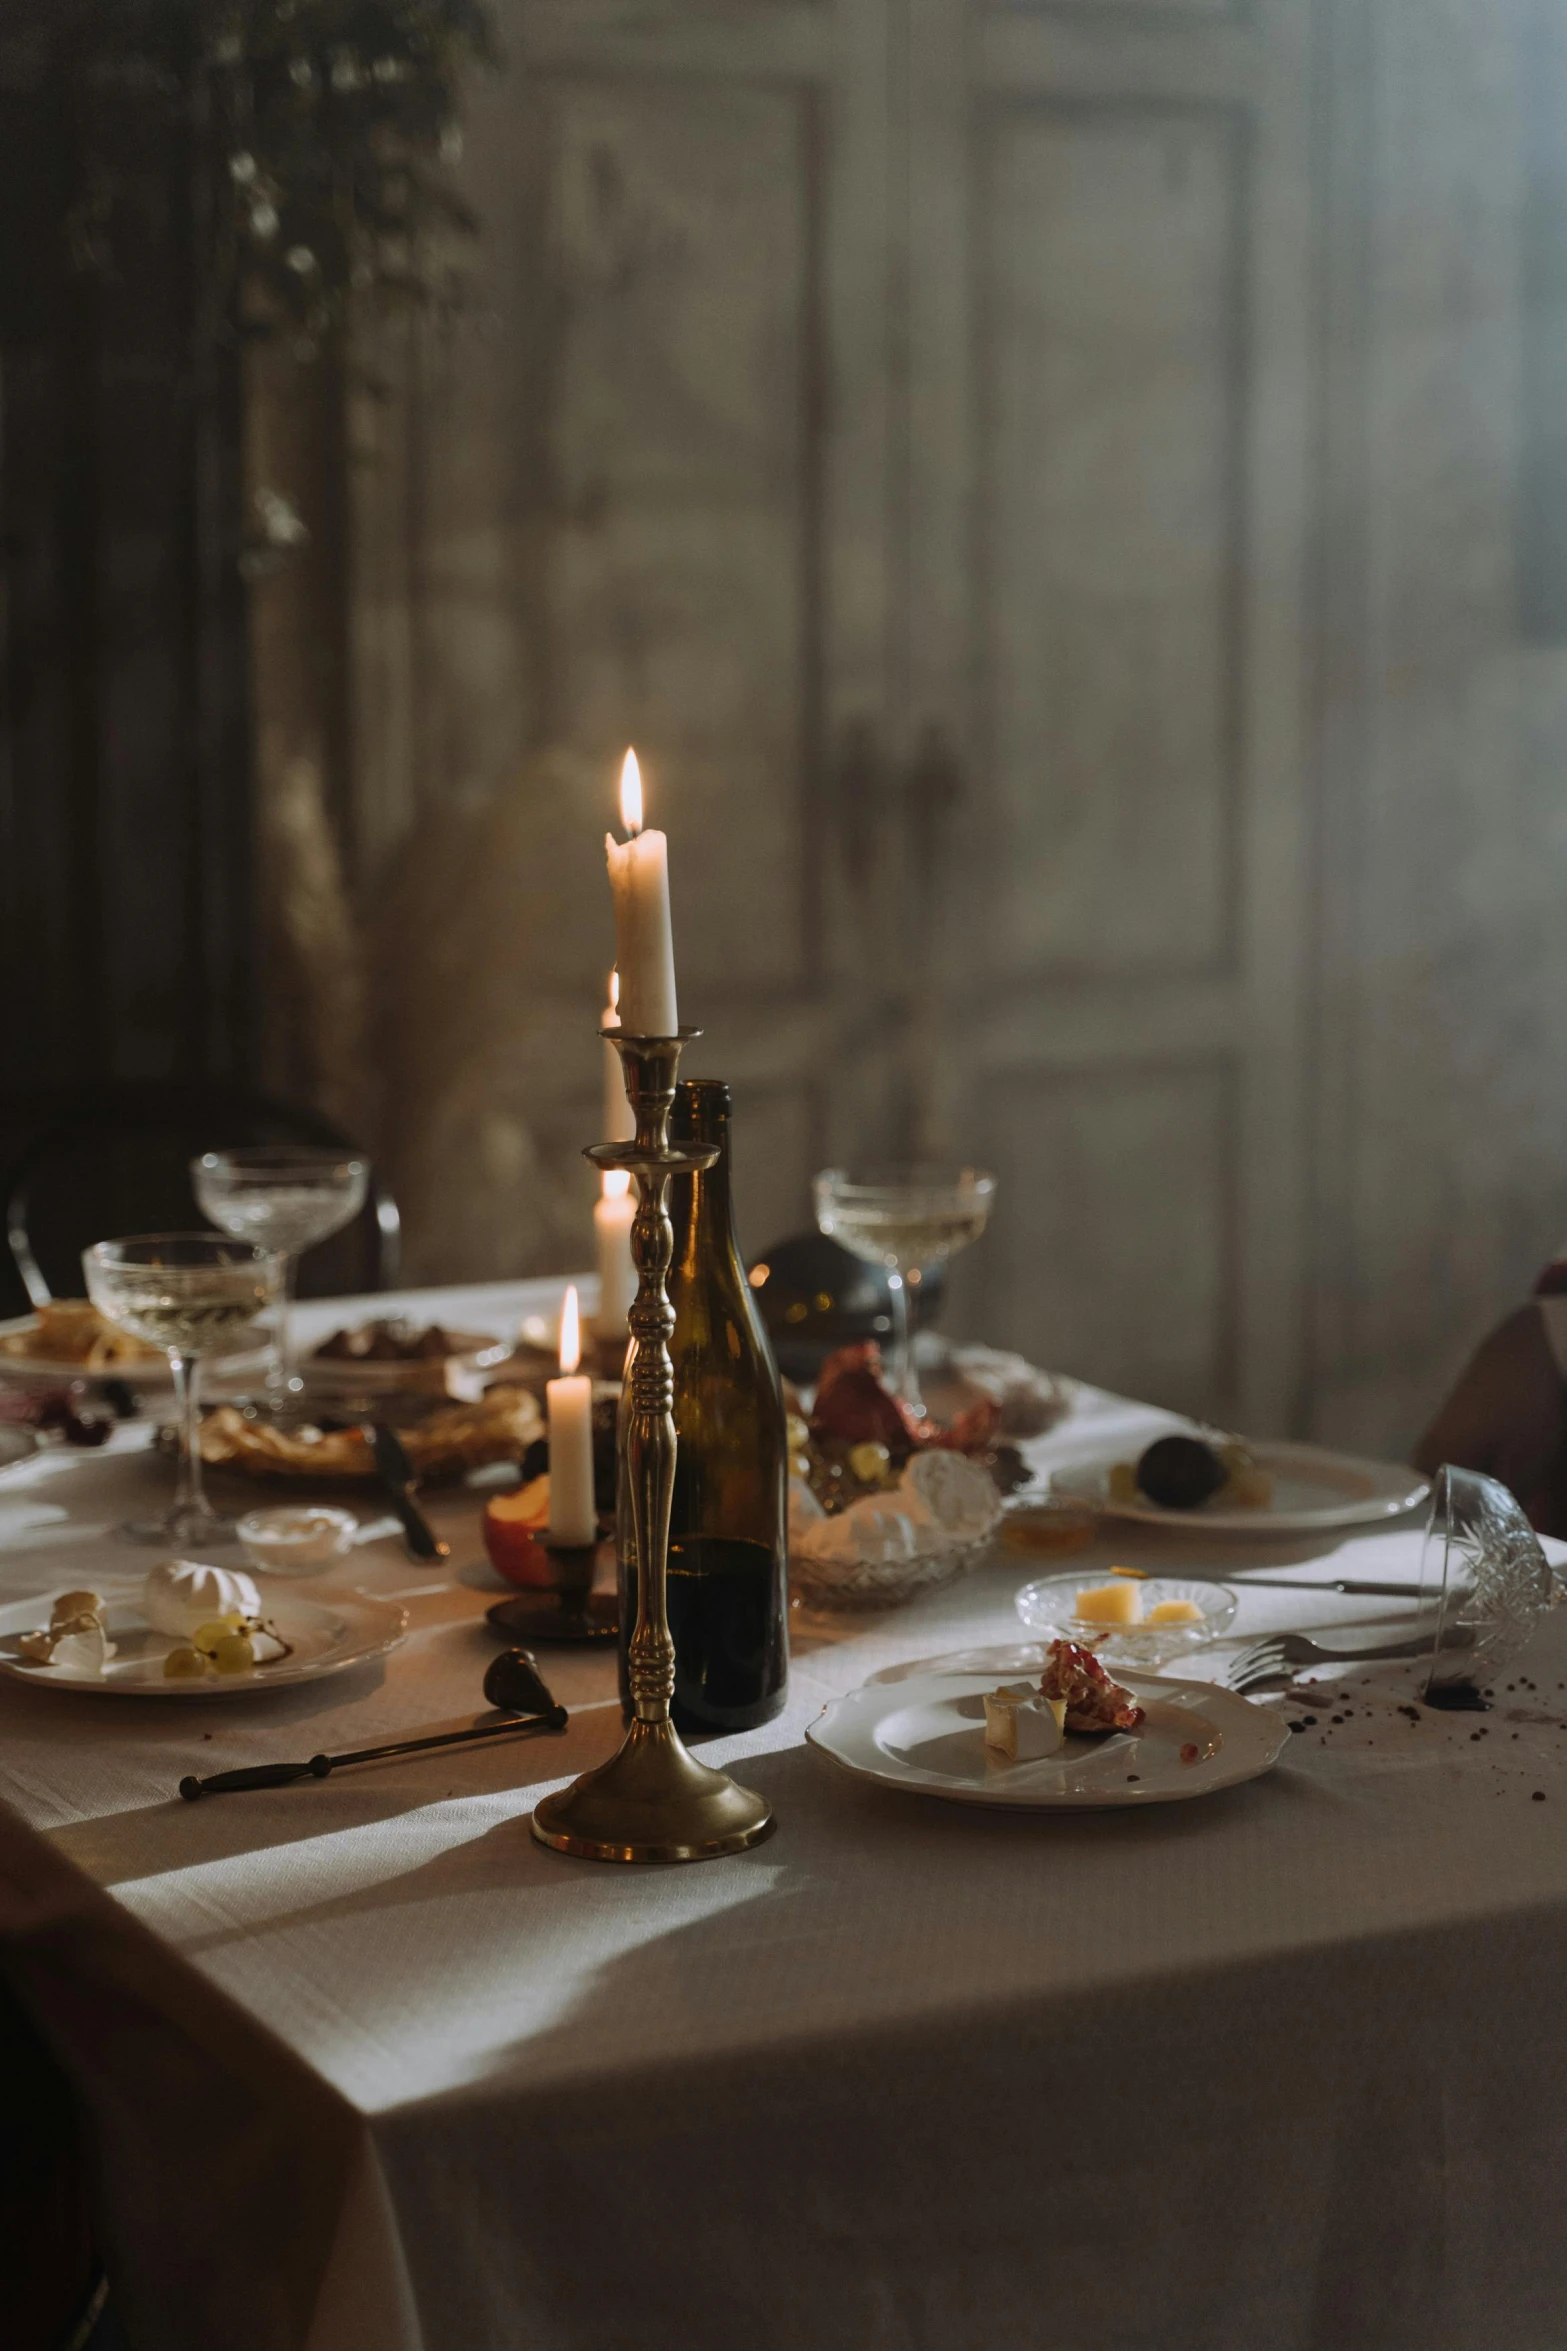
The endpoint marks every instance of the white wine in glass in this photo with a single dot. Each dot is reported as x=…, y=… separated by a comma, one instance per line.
x=907, y=1219
x=192, y=1294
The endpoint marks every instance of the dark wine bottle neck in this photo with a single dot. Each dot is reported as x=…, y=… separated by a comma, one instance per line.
x=701, y=1115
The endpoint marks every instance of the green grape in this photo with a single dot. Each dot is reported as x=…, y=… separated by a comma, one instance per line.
x=216, y=1629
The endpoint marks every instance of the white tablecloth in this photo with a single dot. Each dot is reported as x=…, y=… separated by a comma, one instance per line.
x=371, y=2069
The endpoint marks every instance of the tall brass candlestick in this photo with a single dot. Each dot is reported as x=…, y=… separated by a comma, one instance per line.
x=652, y=1801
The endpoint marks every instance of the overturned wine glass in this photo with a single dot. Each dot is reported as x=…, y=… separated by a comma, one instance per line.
x=1484, y=1585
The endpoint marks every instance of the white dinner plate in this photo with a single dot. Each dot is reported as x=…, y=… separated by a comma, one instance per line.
x=925, y=1731
x=145, y=1371
x=324, y=1637
x=1312, y=1489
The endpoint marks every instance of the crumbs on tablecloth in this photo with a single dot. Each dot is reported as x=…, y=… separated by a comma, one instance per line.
x=1303, y=1694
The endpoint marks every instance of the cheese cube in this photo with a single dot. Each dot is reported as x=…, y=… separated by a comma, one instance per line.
x=1021, y=1725
x=1117, y=1603
x=1175, y=1612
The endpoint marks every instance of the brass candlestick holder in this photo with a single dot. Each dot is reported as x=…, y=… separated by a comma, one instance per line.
x=653, y=1801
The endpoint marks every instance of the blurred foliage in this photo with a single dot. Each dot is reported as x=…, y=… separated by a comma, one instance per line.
x=321, y=136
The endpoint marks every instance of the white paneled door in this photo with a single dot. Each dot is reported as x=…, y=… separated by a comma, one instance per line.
x=1109, y=298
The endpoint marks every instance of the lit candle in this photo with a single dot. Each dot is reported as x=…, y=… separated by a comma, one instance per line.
x=639, y=878
x=620, y=1120
x=613, y=1217
x=570, y=1401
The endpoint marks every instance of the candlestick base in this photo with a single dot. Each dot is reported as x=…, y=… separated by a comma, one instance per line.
x=652, y=1802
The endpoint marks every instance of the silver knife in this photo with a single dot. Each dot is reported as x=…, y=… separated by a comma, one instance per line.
x=420, y=1539
x=1362, y=1591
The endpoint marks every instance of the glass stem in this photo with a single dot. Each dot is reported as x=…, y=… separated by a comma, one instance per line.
x=190, y=1500
x=904, y=1384
x=280, y=1380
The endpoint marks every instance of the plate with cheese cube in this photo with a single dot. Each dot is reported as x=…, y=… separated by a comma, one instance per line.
x=1127, y=1617
x=1058, y=1733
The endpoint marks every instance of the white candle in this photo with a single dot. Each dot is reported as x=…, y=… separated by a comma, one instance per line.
x=620, y=1120
x=570, y=1401
x=639, y=878
x=613, y=1216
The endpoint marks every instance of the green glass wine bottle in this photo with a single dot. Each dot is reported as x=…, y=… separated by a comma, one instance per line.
x=728, y=1529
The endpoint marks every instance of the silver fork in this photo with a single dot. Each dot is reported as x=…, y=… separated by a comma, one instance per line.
x=1275, y=1657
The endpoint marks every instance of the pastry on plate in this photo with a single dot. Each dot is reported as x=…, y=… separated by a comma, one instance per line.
x=445, y=1444
x=70, y=1330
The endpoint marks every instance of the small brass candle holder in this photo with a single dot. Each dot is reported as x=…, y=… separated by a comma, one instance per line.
x=652, y=1801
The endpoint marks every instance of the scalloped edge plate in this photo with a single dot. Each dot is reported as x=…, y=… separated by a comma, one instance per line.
x=923, y=1732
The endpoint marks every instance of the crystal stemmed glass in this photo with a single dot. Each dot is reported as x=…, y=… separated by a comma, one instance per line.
x=906, y=1218
x=192, y=1294
x=285, y=1197
x=1485, y=1577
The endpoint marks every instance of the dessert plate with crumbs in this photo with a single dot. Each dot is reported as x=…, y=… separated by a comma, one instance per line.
x=922, y=1728
x=317, y=1639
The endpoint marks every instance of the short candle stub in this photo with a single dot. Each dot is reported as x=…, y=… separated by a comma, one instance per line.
x=573, y=1565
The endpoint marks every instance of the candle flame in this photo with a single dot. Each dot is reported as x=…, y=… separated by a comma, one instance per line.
x=570, y=1332
x=613, y=1021
x=631, y=794
x=617, y=1182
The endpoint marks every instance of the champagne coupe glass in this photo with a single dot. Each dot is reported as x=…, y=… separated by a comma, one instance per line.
x=192, y=1294
x=905, y=1218
x=285, y=1197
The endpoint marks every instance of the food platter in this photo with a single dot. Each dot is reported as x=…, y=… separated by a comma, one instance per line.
x=1313, y=1490
x=444, y=1443
x=324, y=1638
x=457, y=1372
x=921, y=1729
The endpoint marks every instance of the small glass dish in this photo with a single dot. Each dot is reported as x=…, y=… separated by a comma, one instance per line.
x=297, y=1538
x=1048, y=1607
x=1049, y=1522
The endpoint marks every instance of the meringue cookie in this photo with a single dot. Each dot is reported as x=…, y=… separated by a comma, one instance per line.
x=181, y=1594
x=871, y=1533
x=949, y=1492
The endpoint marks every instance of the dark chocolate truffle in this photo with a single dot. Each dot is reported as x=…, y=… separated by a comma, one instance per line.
x=1180, y=1473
